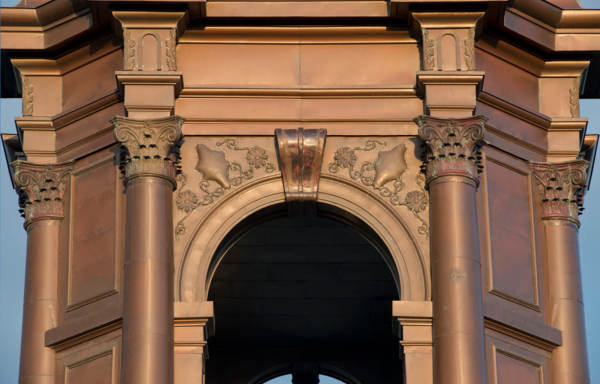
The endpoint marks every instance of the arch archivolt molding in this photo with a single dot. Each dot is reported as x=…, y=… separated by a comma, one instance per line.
x=226, y=179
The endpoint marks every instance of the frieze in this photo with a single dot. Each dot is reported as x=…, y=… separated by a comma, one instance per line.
x=151, y=146
x=560, y=187
x=41, y=189
x=218, y=173
x=453, y=146
x=384, y=173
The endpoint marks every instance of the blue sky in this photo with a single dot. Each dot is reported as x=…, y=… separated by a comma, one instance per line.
x=12, y=250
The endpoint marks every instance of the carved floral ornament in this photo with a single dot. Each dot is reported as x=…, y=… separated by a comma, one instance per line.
x=151, y=146
x=384, y=174
x=561, y=186
x=453, y=146
x=219, y=174
x=41, y=189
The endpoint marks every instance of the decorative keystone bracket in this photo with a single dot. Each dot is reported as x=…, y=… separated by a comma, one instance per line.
x=561, y=186
x=300, y=153
x=41, y=189
x=151, y=146
x=453, y=146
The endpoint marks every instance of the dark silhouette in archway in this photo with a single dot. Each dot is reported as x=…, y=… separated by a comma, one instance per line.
x=297, y=292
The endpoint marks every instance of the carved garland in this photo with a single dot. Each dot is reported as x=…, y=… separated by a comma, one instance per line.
x=170, y=53
x=218, y=176
x=428, y=51
x=387, y=168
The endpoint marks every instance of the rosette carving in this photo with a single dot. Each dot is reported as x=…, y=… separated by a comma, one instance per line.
x=561, y=186
x=41, y=189
x=151, y=146
x=453, y=146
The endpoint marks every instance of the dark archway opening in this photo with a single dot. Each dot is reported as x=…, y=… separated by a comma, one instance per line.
x=302, y=291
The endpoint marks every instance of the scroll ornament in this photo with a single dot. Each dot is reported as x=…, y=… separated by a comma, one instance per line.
x=219, y=174
x=453, y=146
x=385, y=176
x=561, y=186
x=151, y=146
x=41, y=189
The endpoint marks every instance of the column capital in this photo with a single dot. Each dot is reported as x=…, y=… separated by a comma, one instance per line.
x=151, y=146
x=41, y=189
x=453, y=146
x=560, y=187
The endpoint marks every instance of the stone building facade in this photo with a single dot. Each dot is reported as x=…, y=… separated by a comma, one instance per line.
x=225, y=191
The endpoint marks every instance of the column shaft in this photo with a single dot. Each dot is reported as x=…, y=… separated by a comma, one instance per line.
x=40, y=302
x=148, y=305
x=452, y=166
x=569, y=361
x=560, y=190
x=148, y=293
x=456, y=278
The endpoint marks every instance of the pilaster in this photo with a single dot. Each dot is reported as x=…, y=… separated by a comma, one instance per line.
x=448, y=79
x=150, y=81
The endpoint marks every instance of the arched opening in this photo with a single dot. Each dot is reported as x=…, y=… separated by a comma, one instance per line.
x=308, y=296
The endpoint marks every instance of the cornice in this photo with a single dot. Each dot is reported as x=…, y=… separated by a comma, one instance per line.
x=532, y=117
x=149, y=19
x=66, y=63
x=44, y=27
x=548, y=340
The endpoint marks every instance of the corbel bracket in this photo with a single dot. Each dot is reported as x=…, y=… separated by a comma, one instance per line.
x=300, y=154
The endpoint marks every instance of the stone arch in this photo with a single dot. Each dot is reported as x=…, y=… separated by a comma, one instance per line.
x=407, y=259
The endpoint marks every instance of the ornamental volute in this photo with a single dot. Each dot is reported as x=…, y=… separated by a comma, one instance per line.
x=560, y=187
x=151, y=146
x=453, y=146
x=41, y=189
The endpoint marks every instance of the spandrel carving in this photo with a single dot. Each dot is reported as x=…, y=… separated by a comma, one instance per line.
x=218, y=169
x=384, y=172
x=41, y=189
x=560, y=188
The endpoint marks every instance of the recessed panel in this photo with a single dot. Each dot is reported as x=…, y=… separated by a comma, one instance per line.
x=513, y=271
x=512, y=369
x=93, y=232
x=97, y=370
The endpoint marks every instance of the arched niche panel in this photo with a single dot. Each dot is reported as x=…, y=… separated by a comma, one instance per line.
x=407, y=260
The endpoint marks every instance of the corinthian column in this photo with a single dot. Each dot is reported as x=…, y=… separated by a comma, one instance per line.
x=41, y=188
x=148, y=289
x=451, y=167
x=560, y=185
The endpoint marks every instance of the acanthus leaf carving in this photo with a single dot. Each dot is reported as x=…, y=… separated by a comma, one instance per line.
x=453, y=146
x=27, y=92
x=219, y=174
x=469, y=49
x=384, y=174
x=428, y=51
x=41, y=189
x=561, y=186
x=170, y=50
x=129, y=54
x=151, y=146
